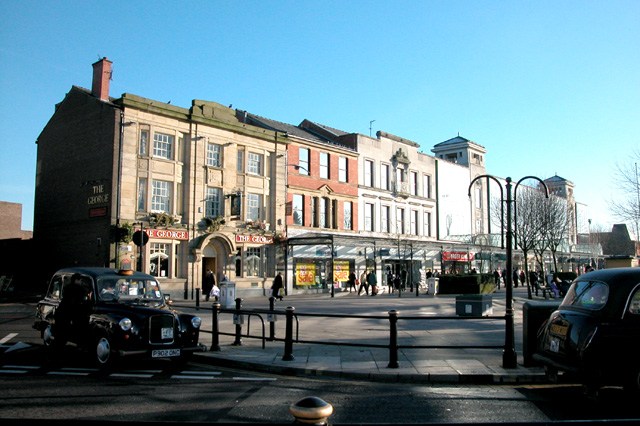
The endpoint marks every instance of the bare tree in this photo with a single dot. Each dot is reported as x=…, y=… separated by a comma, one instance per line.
x=627, y=181
x=528, y=225
x=556, y=229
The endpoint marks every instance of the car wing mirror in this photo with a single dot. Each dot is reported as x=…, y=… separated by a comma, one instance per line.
x=167, y=299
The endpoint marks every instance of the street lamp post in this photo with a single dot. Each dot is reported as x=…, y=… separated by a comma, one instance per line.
x=509, y=356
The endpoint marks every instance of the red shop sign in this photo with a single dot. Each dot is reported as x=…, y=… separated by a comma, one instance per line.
x=454, y=256
x=258, y=239
x=167, y=234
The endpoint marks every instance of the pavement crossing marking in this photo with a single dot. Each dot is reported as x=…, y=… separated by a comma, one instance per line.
x=8, y=337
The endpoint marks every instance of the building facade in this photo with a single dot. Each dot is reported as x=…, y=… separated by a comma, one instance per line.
x=175, y=192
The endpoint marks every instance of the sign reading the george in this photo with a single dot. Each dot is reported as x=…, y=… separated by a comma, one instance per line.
x=258, y=239
x=453, y=256
x=167, y=234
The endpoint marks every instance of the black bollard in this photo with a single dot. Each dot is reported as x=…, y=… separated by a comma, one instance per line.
x=272, y=324
x=238, y=316
x=215, y=328
x=197, y=298
x=288, y=338
x=393, y=339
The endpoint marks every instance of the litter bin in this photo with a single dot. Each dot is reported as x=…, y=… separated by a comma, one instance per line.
x=433, y=284
x=227, y=294
x=474, y=305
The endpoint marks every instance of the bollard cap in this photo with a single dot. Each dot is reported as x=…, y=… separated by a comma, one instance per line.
x=311, y=410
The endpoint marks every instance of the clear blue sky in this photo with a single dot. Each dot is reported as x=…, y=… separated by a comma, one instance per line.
x=545, y=86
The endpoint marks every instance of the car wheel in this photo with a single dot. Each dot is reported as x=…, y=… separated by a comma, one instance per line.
x=103, y=353
x=551, y=373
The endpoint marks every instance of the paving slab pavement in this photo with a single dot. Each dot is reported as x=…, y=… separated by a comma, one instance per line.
x=371, y=327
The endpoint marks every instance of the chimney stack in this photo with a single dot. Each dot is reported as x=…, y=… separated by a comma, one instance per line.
x=101, y=78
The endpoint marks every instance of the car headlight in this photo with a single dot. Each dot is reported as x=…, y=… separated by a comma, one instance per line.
x=196, y=322
x=125, y=324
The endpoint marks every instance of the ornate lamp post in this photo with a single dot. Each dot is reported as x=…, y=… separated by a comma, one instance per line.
x=509, y=356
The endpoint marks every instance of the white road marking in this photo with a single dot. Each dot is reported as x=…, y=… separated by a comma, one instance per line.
x=8, y=337
x=182, y=376
x=67, y=373
x=203, y=373
x=143, y=376
x=257, y=379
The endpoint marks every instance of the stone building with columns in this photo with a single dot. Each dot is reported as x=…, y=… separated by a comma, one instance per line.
x=203, y=186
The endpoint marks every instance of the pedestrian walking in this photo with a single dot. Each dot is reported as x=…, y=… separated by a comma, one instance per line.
x=277, y=289
x=209, y=282
x=363, y=283
x=373, y=282
x=516, y=275
x=496, y=277
x=352, y=282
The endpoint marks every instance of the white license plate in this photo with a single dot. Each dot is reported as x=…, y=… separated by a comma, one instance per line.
x=167, y=333
x=162, y=353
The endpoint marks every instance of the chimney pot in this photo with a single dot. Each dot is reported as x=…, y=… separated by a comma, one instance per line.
x=101, y=79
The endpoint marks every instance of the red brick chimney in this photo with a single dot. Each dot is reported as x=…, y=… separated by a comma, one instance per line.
x=101, y=78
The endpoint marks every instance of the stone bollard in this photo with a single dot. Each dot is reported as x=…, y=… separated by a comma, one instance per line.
x=311, y=410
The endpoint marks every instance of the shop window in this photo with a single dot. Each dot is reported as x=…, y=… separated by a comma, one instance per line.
x=252, y=262
x=159, y=259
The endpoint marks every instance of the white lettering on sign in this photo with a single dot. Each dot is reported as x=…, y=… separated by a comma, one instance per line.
x=167, y=234
x=99, y=196
x=257, y=239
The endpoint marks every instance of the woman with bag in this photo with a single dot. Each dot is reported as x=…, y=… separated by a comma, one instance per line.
x=277, y=290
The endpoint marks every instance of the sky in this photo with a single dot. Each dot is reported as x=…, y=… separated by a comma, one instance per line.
x=547, y=87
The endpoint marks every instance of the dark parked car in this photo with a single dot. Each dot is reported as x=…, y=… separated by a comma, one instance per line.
x=114, y=313
x=595, y=333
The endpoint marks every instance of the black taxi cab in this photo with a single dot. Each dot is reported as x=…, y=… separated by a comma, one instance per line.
x=112, y=314
x=595, y=333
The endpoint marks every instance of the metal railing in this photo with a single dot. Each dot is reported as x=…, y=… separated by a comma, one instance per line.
x=289, y=313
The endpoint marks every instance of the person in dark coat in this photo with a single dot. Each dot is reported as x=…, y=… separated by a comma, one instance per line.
x=209, y=282
x=277, y=286
x=515, y=278
x=496, y=277
x=352, y=282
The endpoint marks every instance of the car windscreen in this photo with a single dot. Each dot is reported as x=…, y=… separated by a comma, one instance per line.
x=125, y=289
x=587, y=294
